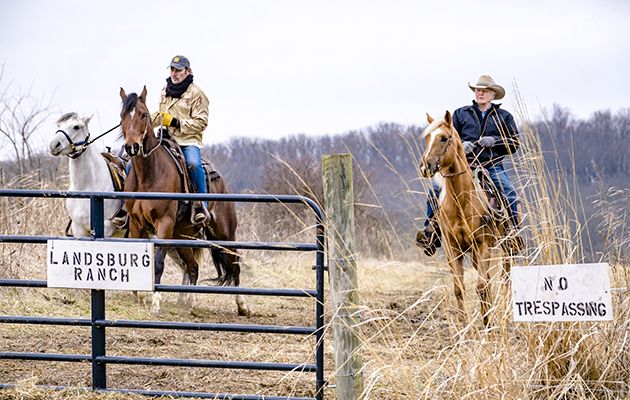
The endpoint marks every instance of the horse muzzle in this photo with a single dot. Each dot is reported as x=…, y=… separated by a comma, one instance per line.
x=55, y=148
x=428, y=169
x=133, y=149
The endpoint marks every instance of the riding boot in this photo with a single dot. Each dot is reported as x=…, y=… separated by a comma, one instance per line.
x=429, y=238
x=515, y=239
x=121, y=219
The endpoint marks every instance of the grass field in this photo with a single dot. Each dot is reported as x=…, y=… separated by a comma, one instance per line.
x=410, y=344
x=411, y=347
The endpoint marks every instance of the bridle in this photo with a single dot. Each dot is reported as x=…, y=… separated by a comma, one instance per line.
x=439, y=158
x=78, y=148
x=144, y=135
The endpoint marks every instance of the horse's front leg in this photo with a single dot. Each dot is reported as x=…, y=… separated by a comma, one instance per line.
x=481, y=262
x=136, y=232
x=188, y=260
x=160, y=256
x=164, y=230
x=456, y=264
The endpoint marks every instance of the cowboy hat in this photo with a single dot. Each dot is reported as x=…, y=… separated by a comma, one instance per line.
x=486, y=82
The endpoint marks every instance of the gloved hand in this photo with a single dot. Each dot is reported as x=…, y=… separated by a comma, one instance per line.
x=487, y=141
x=468, y=147
x=169, y=120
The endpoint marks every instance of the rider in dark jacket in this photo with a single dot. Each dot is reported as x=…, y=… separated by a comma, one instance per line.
x=472, y=124
x=488, y=134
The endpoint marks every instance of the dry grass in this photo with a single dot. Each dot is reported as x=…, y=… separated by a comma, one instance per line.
x=410, y=345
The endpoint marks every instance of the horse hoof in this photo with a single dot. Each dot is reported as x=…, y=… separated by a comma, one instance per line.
x=244, y=311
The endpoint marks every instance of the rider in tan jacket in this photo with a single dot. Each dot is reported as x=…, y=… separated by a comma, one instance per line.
x=184, y=112
x=191, y=110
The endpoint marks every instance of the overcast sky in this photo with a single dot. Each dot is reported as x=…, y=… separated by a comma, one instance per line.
x=274, y=68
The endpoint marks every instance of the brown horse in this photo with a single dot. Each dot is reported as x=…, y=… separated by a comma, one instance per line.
x=154, y=170
x=463, y=214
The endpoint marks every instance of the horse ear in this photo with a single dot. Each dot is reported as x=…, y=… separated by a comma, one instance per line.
x=123, y=95
x=429, y=118
x=86, y=120
x=447, y=117
x=143, y=95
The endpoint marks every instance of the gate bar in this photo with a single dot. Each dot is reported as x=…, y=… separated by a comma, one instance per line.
x=189, y=289
x=189, y=326
x=157, y=393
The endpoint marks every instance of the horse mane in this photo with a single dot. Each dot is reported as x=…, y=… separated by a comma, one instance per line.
x=67, y=116
x=129, y=103
x=432, y=126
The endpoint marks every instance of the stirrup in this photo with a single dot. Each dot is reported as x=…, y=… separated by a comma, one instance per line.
x=120, y=222
x=200, y=215
x=199, y=218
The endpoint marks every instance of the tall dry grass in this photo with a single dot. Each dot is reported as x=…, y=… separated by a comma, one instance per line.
x=414, y=350
x=411, y=346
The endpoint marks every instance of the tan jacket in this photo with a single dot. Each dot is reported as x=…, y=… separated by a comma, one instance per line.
x=191, y=110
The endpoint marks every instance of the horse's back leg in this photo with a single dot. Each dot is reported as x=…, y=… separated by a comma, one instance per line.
x=228, y=260
x=233, y=260
x=506, y=267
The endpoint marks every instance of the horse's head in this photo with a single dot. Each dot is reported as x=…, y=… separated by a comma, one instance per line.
x=135, y=121
x=441, y=141
x=71, y=138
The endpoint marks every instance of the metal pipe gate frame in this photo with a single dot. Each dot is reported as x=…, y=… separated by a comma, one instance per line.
x=98, y=322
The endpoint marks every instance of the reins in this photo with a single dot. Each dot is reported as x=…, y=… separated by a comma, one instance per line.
x=157, y=146
x=101, y=135
x=78, y=148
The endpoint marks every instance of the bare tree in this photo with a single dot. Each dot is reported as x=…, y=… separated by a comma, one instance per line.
x=21, y=115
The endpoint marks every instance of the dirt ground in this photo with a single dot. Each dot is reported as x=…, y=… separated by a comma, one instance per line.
x=286, y=271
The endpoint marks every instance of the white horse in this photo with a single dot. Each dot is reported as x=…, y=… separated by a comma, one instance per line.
x=88, y=172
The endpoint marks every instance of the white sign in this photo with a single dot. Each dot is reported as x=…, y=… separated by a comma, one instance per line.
x=573, y=292
x=100, y=265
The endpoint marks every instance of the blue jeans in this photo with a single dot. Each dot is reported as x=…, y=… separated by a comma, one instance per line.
x=192, y=155
x=500, y=179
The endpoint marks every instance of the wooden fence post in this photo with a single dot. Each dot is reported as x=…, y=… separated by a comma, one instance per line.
x=342, y=272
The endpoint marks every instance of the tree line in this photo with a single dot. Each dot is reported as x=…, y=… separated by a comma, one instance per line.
x=592, y=152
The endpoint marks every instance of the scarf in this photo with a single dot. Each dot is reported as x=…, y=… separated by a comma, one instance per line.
x=176, y=90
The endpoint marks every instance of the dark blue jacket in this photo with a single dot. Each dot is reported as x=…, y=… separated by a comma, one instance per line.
x=497, y=123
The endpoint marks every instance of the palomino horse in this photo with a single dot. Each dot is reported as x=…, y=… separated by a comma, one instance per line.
x=88, y=172
x=154, y=170
x=463, y=213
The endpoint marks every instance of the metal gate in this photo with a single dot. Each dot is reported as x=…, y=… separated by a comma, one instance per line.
x=98, y=322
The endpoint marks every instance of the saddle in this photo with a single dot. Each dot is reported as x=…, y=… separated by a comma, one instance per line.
x=117, y=172
x=175, y=151
x=497, y=202
x=116, y=165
